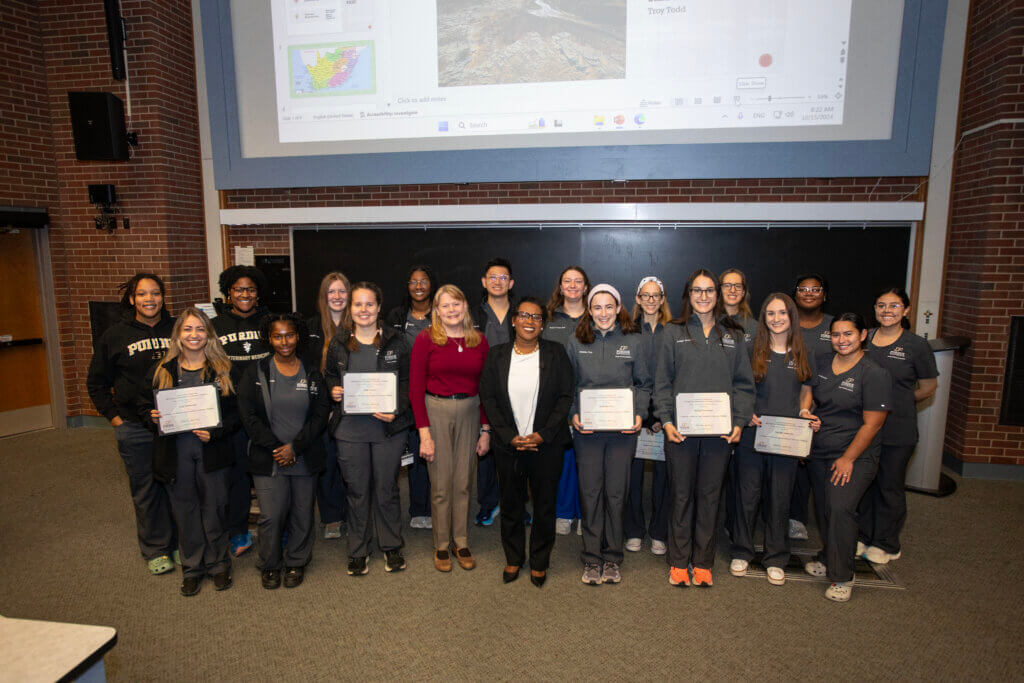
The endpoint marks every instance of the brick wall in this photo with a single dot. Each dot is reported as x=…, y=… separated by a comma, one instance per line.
x=985, y=257
x=55, y=46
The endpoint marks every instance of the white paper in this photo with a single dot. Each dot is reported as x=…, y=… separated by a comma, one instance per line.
x=187, y=408
x=784, y=436
x=607, y=409
x=209, y=309
x=703, y=414
x=650, y=446
x=369, y=392
x=407, y=458
x=245, y=256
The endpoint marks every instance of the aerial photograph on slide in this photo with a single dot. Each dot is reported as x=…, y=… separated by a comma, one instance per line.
x=496, y=42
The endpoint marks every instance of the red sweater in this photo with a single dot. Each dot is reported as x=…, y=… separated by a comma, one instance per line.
x=444, y=370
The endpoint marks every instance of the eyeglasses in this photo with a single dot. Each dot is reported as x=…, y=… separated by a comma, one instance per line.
x=732, y=287
x=419, y=283
x=535, y=317
x=650, y=297
x=809, y=290
x=244, y=290
x=697, y=291
x=497, y=278
x=892, y=307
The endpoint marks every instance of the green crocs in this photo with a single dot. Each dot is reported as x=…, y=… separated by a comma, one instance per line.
x=161, y=565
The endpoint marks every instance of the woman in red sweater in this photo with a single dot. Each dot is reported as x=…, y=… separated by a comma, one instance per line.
x=444, y=379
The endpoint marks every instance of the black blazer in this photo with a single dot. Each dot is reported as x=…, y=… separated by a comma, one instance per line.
x=554, y=397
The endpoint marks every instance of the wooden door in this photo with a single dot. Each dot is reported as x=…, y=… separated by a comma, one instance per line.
x=25, y=398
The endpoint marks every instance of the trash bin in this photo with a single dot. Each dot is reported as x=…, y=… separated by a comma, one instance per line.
x=924, y=473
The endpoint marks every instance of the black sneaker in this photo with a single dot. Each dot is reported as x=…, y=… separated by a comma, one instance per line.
x=393, y=561
x=222, y=581
x=358, y=566
x=293, y=576
x=271, y=579
x=190, y=585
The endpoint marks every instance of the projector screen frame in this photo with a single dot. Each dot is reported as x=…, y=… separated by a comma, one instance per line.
x=905, y=153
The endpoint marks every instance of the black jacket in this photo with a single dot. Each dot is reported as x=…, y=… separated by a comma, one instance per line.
x=312, y=351
x=122, y=357
x=393, y=357
x=241, y=338
x=479, y=314
x=554, y=396
x=218, y=452
x=253, y=394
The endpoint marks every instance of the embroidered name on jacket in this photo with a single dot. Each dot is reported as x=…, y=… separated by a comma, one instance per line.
x=848, y=384
x=825, y=336
x=727, y=340
x=390, y=357
x=898, y=353
x=151, y=344
x=623, y=352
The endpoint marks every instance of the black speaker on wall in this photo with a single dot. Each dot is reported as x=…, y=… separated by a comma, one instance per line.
x=115, y=38
x=97, y=123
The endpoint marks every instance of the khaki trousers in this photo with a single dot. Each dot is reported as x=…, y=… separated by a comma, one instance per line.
x=455, y=428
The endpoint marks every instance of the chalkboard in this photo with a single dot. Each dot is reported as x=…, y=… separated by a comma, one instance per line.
x=857, y=260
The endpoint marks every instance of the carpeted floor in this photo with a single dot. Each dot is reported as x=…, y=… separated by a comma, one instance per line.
x=69, y=554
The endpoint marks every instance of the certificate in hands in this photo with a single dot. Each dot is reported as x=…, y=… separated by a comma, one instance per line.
x=367, y=393
x=650, y=446
x=187, y=408
x=607, y=410
x=704, y=414
x=784, y=436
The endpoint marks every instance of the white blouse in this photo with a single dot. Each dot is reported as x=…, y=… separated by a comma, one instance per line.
x=523, y=388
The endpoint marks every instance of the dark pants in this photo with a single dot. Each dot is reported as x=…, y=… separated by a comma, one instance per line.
x=696, y=472
x=419, y=479
x=798, y=505
x=602, y=462
x=486, y=484
x=766, y=481
x=836, y=510
x=200, y=503
x=239, y=486
x=154, y=524
x=540, y=470
x=567, y=504
x=634, y=523
x=330, y=495
x=285, y=500
x=883, y=510
x=370, y=471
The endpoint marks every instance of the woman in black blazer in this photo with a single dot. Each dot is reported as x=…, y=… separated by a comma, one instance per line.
x=526, y=390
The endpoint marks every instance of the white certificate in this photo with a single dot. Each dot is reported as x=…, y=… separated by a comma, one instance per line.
x=187, y=408
x=784, y=436
x=704, y=414
x=369, y=392
x=650, y=446
x=607, y=410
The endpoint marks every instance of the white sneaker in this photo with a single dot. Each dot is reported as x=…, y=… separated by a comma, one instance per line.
x=738, y=567
x=658, y=547
x=563, y=527
x=840, y=592
x=776, y=576
x=860, y=549
x=815, y=568
x=876, y=555
x=797, y=530
x=332, y=530
x=633, y=545
x=420, y=523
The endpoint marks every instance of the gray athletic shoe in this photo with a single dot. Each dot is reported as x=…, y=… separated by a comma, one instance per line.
x=591, y=574
x=610, y=573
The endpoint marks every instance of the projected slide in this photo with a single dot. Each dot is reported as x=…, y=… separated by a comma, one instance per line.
x=430, y=70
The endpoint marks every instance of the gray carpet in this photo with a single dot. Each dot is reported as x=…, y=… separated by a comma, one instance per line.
x=69, y=554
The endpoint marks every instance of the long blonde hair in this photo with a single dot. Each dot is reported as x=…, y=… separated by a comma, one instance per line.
x=217, y=366
x=327, y=326
x=437, y=333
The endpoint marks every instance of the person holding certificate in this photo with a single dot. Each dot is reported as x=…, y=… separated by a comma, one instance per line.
x=650, y=313
x=783, y=375
x=613, y=390
x=284, y=409
x=444, y=380
x=564, y=309
x=371, y=363
x=911, y=362
x=704, y=395
x=331, y=303
x=122, y=357
x=194, y=463
x=853, y=396
x=526, y=391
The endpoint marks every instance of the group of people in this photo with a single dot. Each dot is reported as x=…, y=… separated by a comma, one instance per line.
x=496, y=390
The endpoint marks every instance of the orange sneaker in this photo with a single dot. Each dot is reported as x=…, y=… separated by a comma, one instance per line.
x=702, y=577
x=679, y=576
